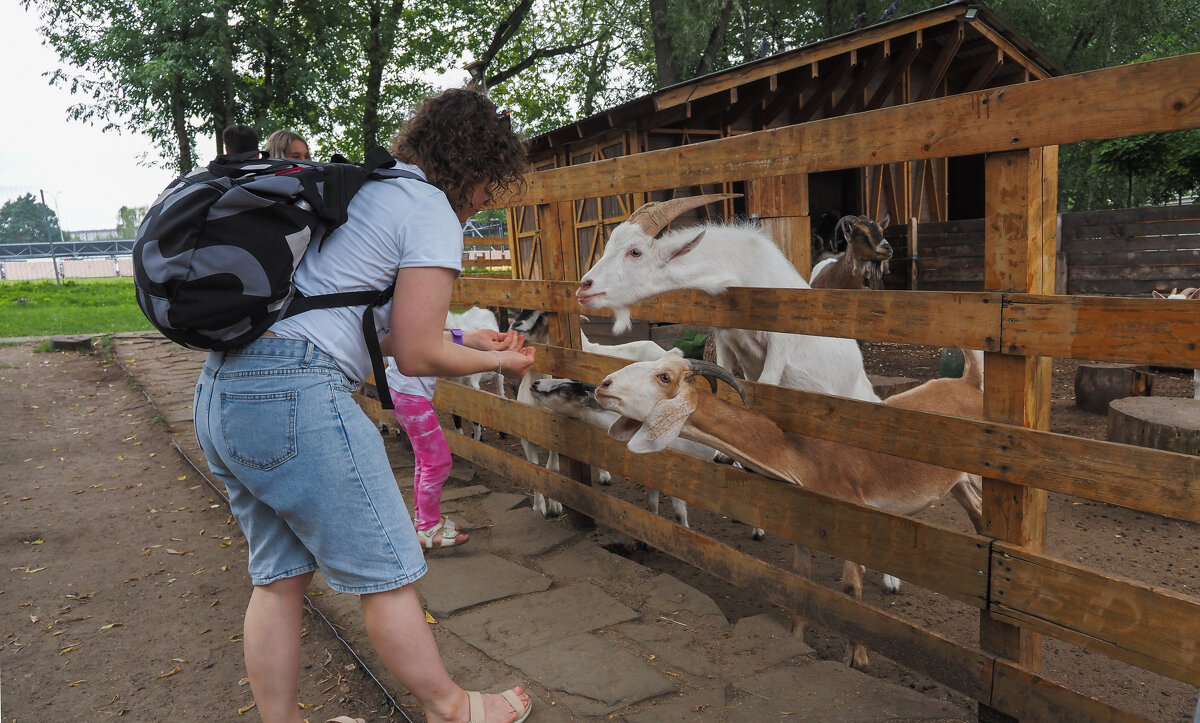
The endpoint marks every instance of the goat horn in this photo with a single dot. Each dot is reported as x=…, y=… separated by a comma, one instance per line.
x=654, y=216
x=713, y=372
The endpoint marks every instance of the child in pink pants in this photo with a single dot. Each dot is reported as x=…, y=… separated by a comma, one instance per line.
x=412, y=397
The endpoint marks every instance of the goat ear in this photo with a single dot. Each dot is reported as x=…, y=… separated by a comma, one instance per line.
x=1195, y=294
x=623, y=429
x=1157, y=295
x=844, y=227
x=883, y=223
x=681, y=249
x=662, y=425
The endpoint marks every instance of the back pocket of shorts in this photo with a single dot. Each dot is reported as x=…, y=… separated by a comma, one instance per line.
x=259, y=429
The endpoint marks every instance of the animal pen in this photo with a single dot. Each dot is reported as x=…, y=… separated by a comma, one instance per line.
x=1021, y=593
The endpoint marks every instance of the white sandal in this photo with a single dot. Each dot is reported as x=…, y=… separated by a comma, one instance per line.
x=444, y=534
x=475, y=704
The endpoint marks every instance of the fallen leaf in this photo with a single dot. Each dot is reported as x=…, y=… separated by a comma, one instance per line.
x=429, y=618
x=214, y=603
x=178, y=660
x=235, y=638
x=34, y=618
x=110, y=626
x=38, y=541
x=35, y=569
x=246, y=709
x=64, y=651
x=181, y=478
x=76, y=682
x=170, y=672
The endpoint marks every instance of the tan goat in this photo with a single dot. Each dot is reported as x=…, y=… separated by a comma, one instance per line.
x=661, y=400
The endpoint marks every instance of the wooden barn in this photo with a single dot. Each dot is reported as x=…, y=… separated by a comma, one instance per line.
x=948, y=50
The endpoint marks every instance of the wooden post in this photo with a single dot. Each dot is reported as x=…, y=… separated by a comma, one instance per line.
x=914, y=254
x=561, y=263
x=1019, y=255
x=781, y=205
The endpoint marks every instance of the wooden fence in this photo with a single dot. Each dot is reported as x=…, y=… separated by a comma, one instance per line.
x=1021, y=593
x=1126, y=252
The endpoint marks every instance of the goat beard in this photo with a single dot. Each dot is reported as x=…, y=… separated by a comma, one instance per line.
x=621, y=320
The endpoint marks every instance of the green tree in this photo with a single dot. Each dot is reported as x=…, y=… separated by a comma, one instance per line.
x=27, y=220
x=128, y=220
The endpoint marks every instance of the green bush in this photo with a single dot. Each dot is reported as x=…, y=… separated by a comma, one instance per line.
x=77, y=306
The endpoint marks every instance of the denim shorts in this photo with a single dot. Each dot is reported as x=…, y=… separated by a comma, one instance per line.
x=308, y=477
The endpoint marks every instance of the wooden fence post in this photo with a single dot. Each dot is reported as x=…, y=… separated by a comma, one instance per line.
x=560, y=262
x=781, y=205
x=1019, y=255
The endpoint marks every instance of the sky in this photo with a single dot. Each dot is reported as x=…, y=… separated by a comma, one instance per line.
x=86, y=175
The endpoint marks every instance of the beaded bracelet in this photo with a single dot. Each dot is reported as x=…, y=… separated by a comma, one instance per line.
x=499, y=363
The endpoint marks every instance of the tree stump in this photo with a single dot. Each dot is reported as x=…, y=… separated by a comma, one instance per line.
x=1170, y=423
x=1097, y=384
x=887, y=386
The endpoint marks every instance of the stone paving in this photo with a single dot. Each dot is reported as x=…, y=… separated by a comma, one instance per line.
x=590, y=634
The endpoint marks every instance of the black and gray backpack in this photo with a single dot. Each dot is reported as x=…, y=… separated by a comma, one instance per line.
x=214, y=256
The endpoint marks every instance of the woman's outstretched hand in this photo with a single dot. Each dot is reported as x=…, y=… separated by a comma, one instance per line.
x=488, y=340
x=517, y=362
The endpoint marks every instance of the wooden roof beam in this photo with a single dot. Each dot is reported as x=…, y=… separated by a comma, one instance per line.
x=752, y=98
x=798, y=80
x=985, y=72
x=938, y=72
x=1034, y=70
x=854, y=94
x=900, y=66
x=824, y=91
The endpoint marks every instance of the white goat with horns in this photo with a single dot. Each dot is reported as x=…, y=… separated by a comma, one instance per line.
x=712, y=258
x=661, y=400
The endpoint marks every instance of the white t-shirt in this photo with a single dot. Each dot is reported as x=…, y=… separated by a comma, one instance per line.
x=393, y=224
x=419, y=386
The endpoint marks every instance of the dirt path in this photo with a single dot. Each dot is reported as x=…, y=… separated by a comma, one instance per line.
x=124, y=578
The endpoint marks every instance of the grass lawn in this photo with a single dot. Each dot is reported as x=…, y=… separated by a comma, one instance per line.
x=78, y=306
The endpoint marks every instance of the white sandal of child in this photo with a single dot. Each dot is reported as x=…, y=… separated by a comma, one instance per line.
x=444, y=534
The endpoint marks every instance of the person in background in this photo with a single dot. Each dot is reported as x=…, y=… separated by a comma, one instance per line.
x=412, y=398
x=239, y=139
x=307, y=473
x=289, y=145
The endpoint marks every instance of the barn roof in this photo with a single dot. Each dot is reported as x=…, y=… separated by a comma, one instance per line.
x=986, y=53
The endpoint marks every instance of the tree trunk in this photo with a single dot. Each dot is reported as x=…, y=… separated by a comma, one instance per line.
x=381, y=41
x=664, y=49
x=179, y=123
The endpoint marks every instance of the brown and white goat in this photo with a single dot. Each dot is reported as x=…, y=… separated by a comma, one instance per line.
x=661, y=400
x=863, y=263
x=1193, y=294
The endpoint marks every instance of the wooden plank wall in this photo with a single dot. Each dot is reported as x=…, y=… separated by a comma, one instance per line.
x=1131, y=252
x=1021, y=593
x=1124, y=252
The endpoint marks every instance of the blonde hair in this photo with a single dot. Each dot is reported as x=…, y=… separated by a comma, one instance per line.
x=279, y=142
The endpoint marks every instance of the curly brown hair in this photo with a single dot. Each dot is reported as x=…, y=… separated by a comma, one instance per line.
x=459, y=139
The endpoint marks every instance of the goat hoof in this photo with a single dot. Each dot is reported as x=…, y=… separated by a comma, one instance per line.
x=757, y=534
x=856, y=657
x=891, y=584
